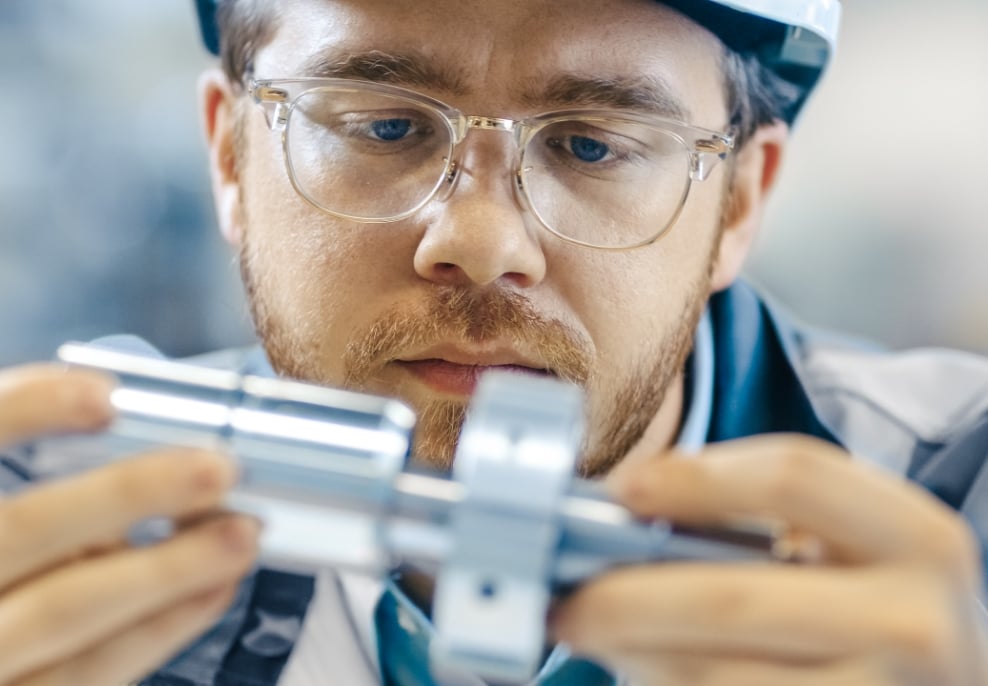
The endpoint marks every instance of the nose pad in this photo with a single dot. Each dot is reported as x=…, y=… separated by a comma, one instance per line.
x=450, y=182
x=518, y=187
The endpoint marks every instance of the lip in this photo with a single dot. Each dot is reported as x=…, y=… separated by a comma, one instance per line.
x=455, y=371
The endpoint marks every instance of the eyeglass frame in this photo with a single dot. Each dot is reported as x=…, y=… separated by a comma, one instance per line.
x=705, y=147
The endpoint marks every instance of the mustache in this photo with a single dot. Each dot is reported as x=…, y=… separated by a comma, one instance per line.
x=452, y=314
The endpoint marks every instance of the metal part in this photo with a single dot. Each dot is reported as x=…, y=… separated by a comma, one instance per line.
x=326, y=470
x=515, y=458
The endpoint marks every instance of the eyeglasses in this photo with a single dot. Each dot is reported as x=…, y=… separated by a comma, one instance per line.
x=371, y=152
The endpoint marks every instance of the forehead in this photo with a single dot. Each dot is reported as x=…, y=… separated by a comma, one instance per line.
x=499, y=52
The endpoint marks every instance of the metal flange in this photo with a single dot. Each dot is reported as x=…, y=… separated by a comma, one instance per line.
x=515, y=461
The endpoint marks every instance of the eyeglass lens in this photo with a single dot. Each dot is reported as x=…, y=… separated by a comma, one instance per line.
x=601, y=181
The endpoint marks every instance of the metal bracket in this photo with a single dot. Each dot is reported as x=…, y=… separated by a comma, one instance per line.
x=515, y=460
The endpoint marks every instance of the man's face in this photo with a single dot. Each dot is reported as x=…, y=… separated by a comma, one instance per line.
x=415, y=308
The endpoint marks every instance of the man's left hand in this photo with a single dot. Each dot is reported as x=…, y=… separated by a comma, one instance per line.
x=895, y=602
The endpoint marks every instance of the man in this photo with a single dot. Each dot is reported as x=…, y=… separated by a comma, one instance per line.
x=472, y=185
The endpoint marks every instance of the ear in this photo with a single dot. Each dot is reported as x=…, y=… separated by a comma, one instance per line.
x=756, y=168
x=218, y=104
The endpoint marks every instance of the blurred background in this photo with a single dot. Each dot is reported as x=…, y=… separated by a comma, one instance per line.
x=879, y=226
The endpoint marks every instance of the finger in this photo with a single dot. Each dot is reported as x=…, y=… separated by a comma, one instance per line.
x=767, y=612
x=43, y=399
x=863, y=514
x=651, y=669
x=56, y=520
x=76, y=607
x=132, y=653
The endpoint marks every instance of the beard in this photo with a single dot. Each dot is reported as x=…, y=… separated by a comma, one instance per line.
x=460, y=314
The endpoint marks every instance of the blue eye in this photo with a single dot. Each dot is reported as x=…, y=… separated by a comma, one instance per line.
x=391, y=129
x=588, y=149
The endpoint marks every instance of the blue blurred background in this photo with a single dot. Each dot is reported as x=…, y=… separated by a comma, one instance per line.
x=879, y=227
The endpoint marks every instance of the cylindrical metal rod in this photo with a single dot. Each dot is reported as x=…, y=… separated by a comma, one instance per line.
x=343, y=454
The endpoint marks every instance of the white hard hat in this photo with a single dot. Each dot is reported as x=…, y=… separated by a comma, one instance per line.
x=796, y=39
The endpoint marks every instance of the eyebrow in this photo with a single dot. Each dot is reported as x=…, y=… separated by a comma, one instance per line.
x=645, y=93
x=410, y=68
x=402, y=69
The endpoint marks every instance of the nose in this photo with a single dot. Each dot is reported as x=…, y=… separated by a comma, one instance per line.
x=478, y=233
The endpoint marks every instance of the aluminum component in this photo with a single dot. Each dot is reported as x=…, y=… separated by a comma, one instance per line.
x=327, y=472
x=515, y=460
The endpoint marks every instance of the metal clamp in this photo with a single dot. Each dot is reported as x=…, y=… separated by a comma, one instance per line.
x=515, y=460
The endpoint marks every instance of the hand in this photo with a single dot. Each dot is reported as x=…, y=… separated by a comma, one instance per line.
x=77, y=605
x=895, y=601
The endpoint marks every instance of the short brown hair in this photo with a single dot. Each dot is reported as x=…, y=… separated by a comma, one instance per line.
x=244, y=26
x=756, y=95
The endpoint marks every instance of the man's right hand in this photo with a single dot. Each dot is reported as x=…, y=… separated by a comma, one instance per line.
x=77, y=604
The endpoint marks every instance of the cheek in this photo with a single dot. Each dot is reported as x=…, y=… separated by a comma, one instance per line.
x=297, y=257
x=631, y=315
x=635, y=299
x=683, y=258
x=318, y=276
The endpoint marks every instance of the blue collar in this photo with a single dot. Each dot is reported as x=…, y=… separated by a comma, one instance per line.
x=696, y=426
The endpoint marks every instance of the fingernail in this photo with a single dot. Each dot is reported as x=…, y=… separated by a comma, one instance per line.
x=240, y=534
x=88, y=399
x=214, y=472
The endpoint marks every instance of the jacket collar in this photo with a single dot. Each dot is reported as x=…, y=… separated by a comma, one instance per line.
x=756, y=386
